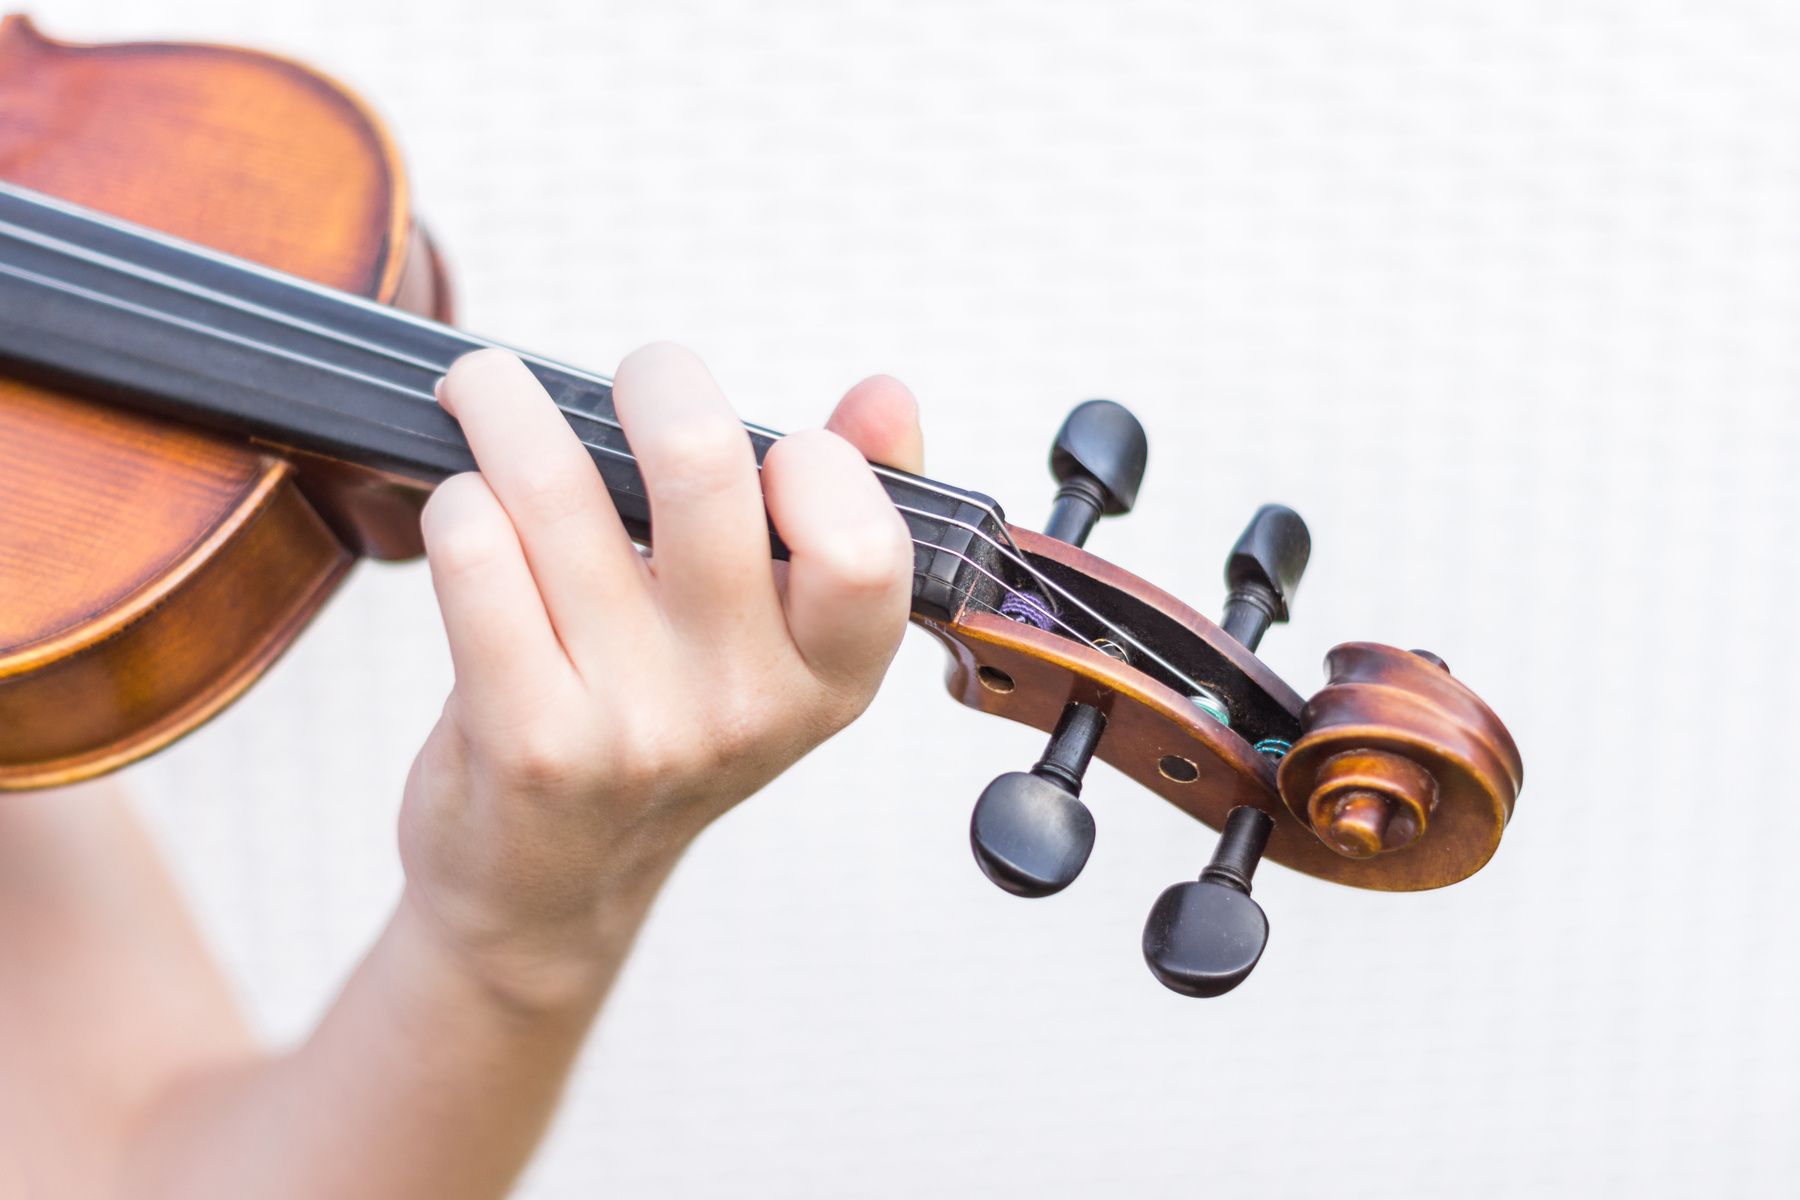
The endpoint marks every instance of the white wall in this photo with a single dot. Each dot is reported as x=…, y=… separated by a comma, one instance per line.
x=1503, y=297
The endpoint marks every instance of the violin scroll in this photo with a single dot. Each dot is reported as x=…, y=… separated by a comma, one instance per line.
x=1400, y=758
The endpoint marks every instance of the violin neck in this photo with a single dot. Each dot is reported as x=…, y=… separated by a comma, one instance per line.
x=126, y=314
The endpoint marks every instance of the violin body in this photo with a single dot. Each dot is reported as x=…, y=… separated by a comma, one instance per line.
x=213, y=401
x=152, y=570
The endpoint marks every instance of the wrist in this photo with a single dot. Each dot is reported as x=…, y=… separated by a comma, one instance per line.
x=525, y=896
x=538, y=970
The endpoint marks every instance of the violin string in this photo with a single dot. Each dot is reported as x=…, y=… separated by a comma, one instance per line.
x=175, y=283
x=983, y=604
x=346, y=299
x=150, y=275
x=1073, y=633
x=274, y=351
x=1011, y=551
x=1158, y=659
x=246, y=267
x=906, y=479
x=323, y=332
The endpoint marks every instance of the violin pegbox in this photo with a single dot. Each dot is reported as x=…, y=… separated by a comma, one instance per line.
x=1394, y=777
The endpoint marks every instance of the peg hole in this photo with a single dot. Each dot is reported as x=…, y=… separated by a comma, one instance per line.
x=1175, y=767
x=995, y=680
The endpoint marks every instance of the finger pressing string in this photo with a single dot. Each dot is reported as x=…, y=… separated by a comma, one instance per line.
x=712, y=564
x=507, y=657
x=850, y=565
x=580, y=557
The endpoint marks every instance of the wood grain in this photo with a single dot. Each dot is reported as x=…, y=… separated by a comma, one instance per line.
x=113, y=689
x=150, y=572
x=1388, y=700
x=244, y=152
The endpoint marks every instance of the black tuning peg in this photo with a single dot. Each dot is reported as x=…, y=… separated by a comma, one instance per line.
x=1264, y=569
x=1204, y=938
x=1031, y=833
x=1098, y=457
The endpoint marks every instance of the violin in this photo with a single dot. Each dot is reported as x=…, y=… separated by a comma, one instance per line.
x=220, y=330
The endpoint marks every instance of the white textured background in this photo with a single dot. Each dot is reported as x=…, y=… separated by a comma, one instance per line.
x=1503, y=297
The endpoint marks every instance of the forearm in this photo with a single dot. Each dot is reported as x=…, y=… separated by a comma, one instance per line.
x=423, y=1080
x=606, y=709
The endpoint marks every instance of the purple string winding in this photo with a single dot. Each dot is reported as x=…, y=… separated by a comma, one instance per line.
x=1027, y=609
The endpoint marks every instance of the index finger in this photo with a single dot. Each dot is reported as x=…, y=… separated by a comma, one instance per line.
x=588, y=572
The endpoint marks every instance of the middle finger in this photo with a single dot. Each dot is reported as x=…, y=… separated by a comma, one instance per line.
x=711, y=558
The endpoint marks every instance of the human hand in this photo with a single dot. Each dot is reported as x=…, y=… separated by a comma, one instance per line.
x=607, y=706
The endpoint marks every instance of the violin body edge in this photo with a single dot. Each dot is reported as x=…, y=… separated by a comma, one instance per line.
x=129, y=678
x=167, y=567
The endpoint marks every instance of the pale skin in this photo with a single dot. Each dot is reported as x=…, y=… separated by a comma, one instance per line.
x=606, y=708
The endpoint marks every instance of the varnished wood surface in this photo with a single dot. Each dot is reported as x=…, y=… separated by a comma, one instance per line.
x=93, y=512
x=149, y=572
x=1146, y=722
x=120, y=687
x=1124, y=581
x=244, y=152
x=1383, y=706
x=1384, y=699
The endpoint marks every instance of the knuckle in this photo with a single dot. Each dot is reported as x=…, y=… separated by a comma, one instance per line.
x=737, y=722
x=739, y=733
x=702, y=455
x=464, y=551
x=537, y=760
x=466, y=543
x=554, y=492
x=647, y=748
x=869, y=561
